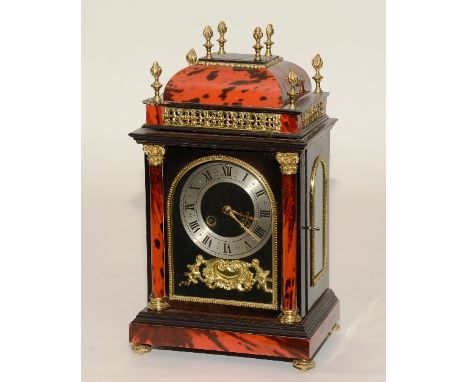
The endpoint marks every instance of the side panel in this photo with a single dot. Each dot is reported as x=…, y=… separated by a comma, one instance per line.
x=320, y=146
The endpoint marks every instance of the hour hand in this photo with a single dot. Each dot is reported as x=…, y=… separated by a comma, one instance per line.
x=230, y=212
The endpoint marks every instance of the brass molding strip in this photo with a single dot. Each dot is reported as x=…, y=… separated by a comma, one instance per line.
x=241, y=64
x=221, y=119
x=315, y=278
x=170, y=261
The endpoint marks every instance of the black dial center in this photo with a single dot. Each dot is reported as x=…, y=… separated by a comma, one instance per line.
x=227, y=194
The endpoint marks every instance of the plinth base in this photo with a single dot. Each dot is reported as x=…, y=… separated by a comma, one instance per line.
x=239, y=335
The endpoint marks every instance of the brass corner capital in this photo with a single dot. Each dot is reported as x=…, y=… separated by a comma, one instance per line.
x=289, y=317
x=288, y=162
x=155, y=154
x=157, y=303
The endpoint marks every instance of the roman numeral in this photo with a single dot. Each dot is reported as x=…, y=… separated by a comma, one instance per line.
x=247, y=244
x=245, y=176
x=195, y=226
x=260, y=193
x=227, y=170
x=259, y=231
x=207, y=241
x=207, y=175
x=189, y=206
x=265, y=213
x=227, y=248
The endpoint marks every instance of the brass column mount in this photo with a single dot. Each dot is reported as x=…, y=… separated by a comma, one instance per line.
x=292, y=93
x=304, y=364
x=191, y=57
x=208, y=33
x=257, y=35
x=317, y=64
x=289, y=317
x=141, y=348
x=268, y=42
x=157, y=303
x=155, y=154
x=222, y=29
x=288, y=162
x=156, y=85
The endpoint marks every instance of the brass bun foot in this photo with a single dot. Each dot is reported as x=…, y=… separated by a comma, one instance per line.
x=304, y=364
x=141, y=348
x=158, y=303
x=289, y=317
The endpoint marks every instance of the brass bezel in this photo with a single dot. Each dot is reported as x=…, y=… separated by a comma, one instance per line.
x=274, y=235
x=315, y=278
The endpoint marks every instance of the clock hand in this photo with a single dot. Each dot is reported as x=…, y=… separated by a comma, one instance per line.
x=247, y=216
x=229, y=211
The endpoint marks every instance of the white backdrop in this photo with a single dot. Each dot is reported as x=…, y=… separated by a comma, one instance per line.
x=121, y=39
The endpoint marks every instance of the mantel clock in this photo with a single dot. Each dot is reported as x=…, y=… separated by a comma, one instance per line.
x=237, y=167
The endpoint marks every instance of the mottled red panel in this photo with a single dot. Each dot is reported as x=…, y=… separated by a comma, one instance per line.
x=222, y=85
x=289, y=242
x=154, y=115
x=216, y=340
x=157, y=230
x=281, y=71
x=289, y=123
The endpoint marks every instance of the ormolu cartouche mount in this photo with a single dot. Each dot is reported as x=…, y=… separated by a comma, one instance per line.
x=296, y=84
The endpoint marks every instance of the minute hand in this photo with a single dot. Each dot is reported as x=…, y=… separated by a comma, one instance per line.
x=228, y=211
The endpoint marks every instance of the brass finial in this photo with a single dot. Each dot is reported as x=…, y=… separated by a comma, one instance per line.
x=268, y=42
x=191, y=57
x=156, y=85
x=293, y=80
x=317, y=64
x=222, y=29
x=208, y=33
x=258, y=34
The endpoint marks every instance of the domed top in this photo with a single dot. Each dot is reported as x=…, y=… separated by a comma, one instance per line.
x=236, y=80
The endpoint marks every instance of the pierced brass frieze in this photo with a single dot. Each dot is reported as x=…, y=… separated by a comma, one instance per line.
x=221, y=119
x=312, y=114
x=228, y=274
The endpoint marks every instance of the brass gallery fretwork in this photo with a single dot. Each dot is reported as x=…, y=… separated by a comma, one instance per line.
x=221, y=119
